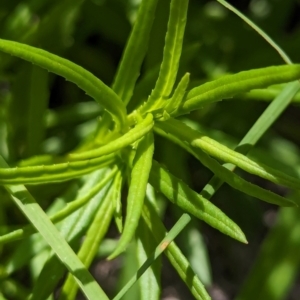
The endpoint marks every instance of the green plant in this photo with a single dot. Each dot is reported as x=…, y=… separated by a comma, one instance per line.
x=117, y=151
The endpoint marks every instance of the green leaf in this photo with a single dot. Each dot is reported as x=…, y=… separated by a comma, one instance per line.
x=85, y=80
x=72, y=229
x=225, y=154
x=176, y=100
x=173, y=253
x=127, y=139
x=230, y=85
x=271, y=114
x=89, y=248
x=135, y=51
x=117, y=201
x=187, y=199
x=40, y=220
x=133, y=56
x=25, y=251
x=275, y=269
x=53, y=173
x=172, y=52
x=266, y=94
x=137, y=190
x=63, y=213
x=167, y=130
x=150, y=286
x=148, y=273
x=219, y=151
x=195, y=247
x=273, y=111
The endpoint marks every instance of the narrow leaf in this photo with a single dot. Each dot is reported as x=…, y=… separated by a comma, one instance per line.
x=268, y=117
x=187, y=199
x=150, y=280
x=232, y=179
x=174, y=254
x=148, y=274
x=171, y=56
x=266, y=94
x=133, y=56
x=40, y=220
x=137, y=190
x=89, y=248
x=219, y=151
x=53, y=173
x=127, y=139
x=85, y=80
x=135, y=51
x=176, y=100
x=230, y=85
x=63, y=213
x=117, y=201
x=72, y=229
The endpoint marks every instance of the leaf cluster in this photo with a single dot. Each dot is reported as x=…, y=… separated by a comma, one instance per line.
x=115, y=150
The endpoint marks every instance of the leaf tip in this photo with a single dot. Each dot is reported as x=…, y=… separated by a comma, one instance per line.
x=245, y=241
x=241, y=237
x=115, y=253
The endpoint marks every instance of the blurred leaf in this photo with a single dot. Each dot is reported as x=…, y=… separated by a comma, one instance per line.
x=277, y=264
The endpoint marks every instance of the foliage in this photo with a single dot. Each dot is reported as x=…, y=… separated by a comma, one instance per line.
x=71, y=167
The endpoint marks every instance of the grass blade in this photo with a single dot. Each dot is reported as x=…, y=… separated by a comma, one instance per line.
x=255, y=133
x=150, y=282
x=269, y=116
x=173, y=253
x=89, y=248
x=170, y=236
x=219, y=151
x=62, y=214
x=40, y=220
x=258, y=30
x=232, y=179
x=72, y=229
